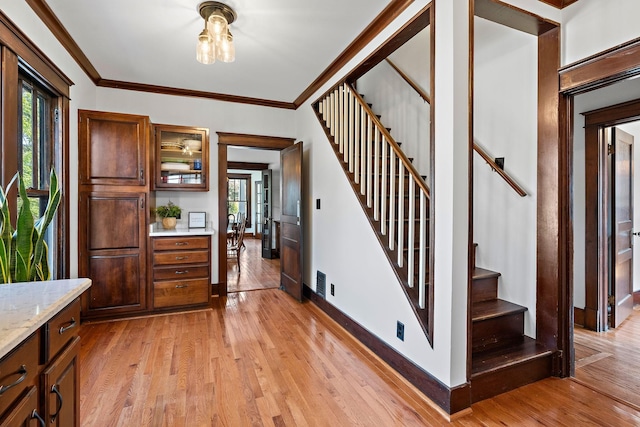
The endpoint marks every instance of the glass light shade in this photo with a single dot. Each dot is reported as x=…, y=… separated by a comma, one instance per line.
x=217, y=25
x=206, y=50
x=226, y=49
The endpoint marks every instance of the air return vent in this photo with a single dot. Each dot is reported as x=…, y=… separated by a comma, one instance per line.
x=321, y=284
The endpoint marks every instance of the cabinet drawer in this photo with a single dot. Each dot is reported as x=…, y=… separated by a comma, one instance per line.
x=181, y=257
x=177, y=243
x=18, y=370
x=180, y=292
x=181, y=273
x=61, y=329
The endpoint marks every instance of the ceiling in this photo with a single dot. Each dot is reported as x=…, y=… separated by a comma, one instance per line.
x=282, y=46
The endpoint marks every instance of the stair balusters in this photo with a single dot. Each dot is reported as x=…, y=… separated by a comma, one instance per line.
x=391, y=188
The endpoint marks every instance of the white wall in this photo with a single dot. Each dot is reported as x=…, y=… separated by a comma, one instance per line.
x=591, y=26
x=505, y=125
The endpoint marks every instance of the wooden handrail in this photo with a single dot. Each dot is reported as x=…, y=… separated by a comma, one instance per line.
x=392, y=142
x=407, y=79
x=498, y=169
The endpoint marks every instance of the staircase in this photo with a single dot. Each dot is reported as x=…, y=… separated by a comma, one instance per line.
x=394, y=197
x=502, y=357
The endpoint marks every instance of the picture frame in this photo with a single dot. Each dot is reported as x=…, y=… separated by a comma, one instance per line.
x=197, y=220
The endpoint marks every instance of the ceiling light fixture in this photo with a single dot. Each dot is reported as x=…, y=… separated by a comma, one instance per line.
x=215, y=41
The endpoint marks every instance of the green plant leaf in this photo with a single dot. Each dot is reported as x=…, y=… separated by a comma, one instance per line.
x=24, y=236
x=6, y=236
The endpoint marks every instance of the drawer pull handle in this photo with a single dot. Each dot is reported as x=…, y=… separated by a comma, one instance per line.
x=36, y=416
x=23, y=374
x=54, y=389
x=179, y=258
x=63, y=329
x=182, y=243
x=181, y=286
x=182, y=271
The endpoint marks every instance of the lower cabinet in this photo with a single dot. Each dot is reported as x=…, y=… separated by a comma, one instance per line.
x=181, y=271
x=39, y=379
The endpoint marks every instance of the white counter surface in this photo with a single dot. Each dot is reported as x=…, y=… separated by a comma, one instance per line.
x=24, y=307
x=159, y=231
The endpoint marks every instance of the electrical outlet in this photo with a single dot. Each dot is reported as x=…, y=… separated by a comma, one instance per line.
x=400, y=331
x=333, y=290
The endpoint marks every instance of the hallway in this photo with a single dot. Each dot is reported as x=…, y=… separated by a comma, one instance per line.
x=609, y=362
x=255, y=272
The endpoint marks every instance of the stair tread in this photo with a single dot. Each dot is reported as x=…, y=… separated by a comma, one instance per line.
x=495, y=359
x=485, y=310
x=481, y=273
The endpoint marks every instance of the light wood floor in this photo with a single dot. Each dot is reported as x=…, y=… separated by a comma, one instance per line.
x=255, y=272
x=610, y=361
x=262, y=359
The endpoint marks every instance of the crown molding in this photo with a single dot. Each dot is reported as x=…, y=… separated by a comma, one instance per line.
x=391, y=12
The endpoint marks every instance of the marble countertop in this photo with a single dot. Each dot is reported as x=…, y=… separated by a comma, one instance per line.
x=155, y=231
x=24, y=307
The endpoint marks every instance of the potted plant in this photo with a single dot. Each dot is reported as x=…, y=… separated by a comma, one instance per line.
x=23, y=250
x=169, y=214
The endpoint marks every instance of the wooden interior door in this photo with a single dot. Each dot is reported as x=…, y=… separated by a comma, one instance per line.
x=267, y=214
x=291, y=221
x=621, y=282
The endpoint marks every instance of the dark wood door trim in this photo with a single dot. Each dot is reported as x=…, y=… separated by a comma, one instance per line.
x=596, y=246
x=591, y=73
x=601, y=69
x=226, y=139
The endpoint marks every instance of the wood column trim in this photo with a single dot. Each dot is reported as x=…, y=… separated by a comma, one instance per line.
x=552, y=244
x=222, y=219
x=9, y=122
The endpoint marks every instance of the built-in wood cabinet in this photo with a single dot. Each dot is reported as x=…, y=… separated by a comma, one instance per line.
x=113, y=212
x=113, y=148
x=181, y=271
x=181, y=158
x=40, y=376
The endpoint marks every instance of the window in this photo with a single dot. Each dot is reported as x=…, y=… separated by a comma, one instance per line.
x=35, y=115
x=239, y=196
x=36, y=143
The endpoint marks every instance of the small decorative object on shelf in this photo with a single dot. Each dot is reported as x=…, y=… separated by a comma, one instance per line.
x=169, y=214
x=197, y=220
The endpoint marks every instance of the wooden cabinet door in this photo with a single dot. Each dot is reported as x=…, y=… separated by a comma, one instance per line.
x=25, y=412
x=113, y=252
x=113, y=148
x=61, y=385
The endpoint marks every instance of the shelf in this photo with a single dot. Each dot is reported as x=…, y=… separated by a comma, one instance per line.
x=182, y=172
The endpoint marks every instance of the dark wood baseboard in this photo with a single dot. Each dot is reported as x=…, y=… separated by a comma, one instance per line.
x=215, y=289
x=578, y=315
x=451, y=400
x=636, y=298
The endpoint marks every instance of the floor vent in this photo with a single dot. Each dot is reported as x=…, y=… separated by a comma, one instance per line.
x=321, y=284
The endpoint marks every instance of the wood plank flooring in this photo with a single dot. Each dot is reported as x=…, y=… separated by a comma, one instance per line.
x=255, y=272
x=610, y=361
x=262, y=359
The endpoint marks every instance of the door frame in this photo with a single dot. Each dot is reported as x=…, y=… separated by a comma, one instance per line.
x=596, y=249
x=600, y=70
x=225, y=140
